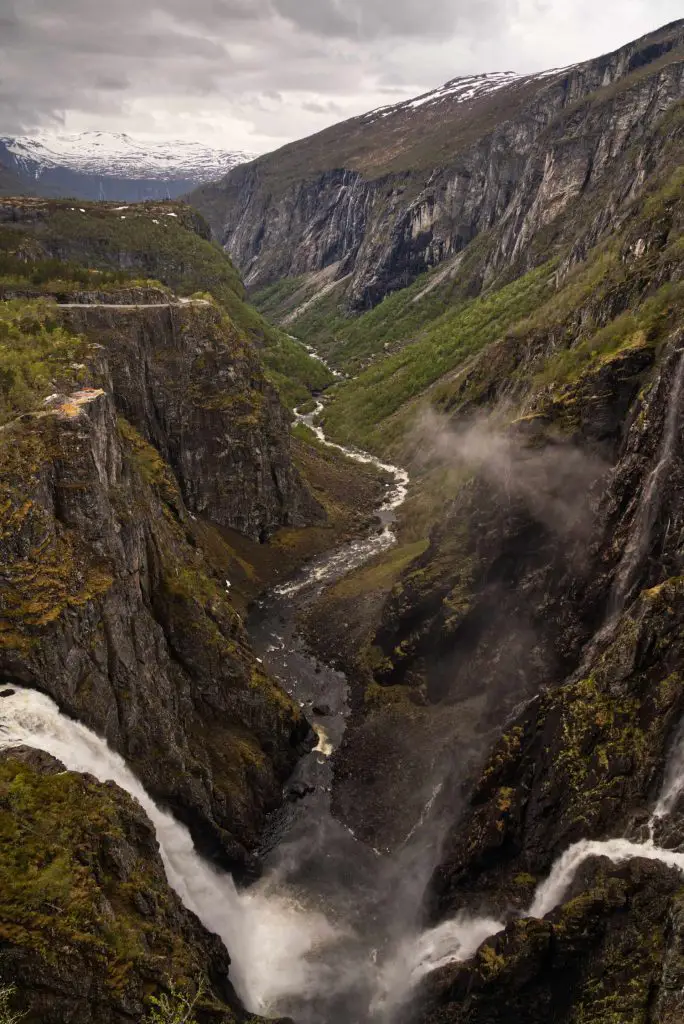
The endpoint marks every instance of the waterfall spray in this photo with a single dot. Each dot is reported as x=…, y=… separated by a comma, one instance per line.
x=270, y=939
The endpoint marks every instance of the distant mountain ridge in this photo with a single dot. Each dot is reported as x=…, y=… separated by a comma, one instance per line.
x=117, y=166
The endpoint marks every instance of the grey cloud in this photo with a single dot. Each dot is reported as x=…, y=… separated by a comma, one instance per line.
x=317, y=107
x=382, y=18
x=273, y=70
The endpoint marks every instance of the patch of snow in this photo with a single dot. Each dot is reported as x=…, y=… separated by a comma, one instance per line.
x=551, y=72
x=462, y=90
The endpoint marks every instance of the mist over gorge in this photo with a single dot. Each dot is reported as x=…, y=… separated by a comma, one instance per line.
x=341, y=568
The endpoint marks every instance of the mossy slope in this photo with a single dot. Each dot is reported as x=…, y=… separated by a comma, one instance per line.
x=89, y=927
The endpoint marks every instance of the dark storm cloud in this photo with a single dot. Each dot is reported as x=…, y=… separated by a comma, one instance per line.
x=269, y=70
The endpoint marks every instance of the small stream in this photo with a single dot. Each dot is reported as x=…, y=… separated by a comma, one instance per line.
x=320, y=690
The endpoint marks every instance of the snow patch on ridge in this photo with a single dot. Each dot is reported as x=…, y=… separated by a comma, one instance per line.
x=463, y=89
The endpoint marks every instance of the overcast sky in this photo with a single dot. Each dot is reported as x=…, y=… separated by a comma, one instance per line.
x=253, y=74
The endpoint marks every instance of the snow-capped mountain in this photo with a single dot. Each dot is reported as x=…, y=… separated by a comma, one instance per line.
x=106, y=165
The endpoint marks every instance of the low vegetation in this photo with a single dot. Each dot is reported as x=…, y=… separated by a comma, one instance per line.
x=35, y=352
x=362, y=407
x=176, y=1007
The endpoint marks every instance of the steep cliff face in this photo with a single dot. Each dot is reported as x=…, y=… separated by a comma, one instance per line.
x=186, y=379
x=387, y=196
x=101, y=252
x=585, y=759
x=528, y=455
x=89, y=927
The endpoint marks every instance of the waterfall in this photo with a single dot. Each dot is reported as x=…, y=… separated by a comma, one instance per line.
x=270, y=938
x=552, y=892
x=673, y=784
x=281, y=949
x=449, y=942
x=649, y=503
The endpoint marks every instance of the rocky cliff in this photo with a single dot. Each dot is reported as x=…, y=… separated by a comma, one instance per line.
x=89, y=927
x=186, y=379
x=384, y=197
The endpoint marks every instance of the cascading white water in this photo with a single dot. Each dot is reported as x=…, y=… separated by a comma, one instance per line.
x=552, y=892
x=270, y=939
x=673, y=784
x=454, y=940
x=275, y=943
x=450, y=945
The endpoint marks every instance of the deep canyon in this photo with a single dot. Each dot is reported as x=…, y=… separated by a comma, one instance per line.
x=342, y=618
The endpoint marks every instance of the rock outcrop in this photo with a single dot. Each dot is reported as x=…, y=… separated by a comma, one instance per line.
x=186, y=379
x=611, y=952
x=94, y=254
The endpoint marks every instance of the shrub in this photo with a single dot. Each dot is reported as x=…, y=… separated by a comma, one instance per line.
x=173, y=1008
